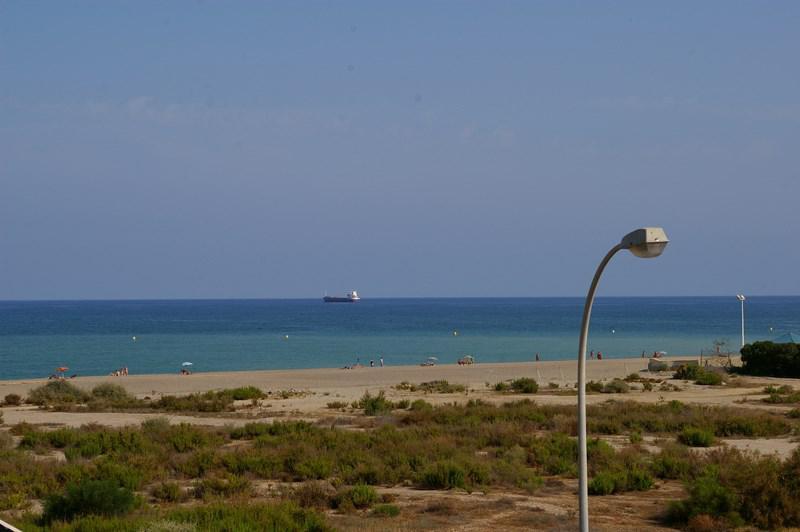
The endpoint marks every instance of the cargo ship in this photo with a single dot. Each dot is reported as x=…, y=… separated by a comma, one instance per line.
x=350, y=297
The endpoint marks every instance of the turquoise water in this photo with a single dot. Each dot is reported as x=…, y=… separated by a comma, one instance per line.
x=95, y=337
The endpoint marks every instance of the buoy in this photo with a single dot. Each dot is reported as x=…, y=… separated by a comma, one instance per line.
x=133, y=338
x=455, y=333
x=285, y=336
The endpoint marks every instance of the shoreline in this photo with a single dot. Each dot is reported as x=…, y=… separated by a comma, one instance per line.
x=364, y=378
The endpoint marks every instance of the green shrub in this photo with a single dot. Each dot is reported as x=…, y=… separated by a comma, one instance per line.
x=688, y=372
x=502, y=387
x=608, y=482
x=708, y=378
x=89, y=497
x=360, y=496
x=13, y=399
x=605, y=483
x=112, y=392
x=314, y=494
x=402, y=404
x=593, y=386
x=706, y=497
x=439, y=386
x=167, y=492
x=337, y=405
x=57, y=392
x=421, y=405
x=246, y=392
x=524, y=385
x=769, y=359
x=385, y=510
x=616, y=386
x=284, y=517
x=443, y=476
x=375, y=405
x=695, y=437
x=222, y=487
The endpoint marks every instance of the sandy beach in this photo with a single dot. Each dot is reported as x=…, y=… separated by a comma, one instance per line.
x=348, y=381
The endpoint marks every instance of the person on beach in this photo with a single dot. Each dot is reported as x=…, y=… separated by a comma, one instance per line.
x=591, y=354
x=372, y=363
x=537, y=357
x=381, y=361
x=599, y=355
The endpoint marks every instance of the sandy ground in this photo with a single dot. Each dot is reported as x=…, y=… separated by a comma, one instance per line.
x=332, y=380
x=312, y=390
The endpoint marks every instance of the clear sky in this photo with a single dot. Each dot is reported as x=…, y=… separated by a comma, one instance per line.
x=266, y=149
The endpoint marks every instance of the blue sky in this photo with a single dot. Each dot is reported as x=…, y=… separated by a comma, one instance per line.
x=223, y=149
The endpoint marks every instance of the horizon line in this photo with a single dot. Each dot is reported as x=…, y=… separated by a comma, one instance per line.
x=143, y=299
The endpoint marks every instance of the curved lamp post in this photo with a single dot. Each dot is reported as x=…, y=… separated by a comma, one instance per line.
x=645, y=243
x=742, y=299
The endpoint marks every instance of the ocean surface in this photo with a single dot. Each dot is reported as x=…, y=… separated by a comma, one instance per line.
x=96, y=337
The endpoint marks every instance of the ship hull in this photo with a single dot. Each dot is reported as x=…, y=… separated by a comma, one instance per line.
x=329, y=299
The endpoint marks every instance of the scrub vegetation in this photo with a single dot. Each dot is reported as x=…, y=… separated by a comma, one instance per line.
x=142, y=477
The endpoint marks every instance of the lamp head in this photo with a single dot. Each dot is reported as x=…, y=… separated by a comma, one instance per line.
x=740, y=297
x=646, y=243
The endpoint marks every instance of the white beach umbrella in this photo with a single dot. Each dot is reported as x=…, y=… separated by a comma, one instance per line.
x=186, y=364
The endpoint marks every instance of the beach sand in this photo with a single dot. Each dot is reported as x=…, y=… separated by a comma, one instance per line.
x=342, y=381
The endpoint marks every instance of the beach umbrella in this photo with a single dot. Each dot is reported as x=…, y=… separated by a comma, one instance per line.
x=186, y=364
x=787, y=338
x=432, y=358
x=62, y=369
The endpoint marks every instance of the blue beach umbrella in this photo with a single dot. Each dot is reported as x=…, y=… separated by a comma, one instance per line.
x=787, y=338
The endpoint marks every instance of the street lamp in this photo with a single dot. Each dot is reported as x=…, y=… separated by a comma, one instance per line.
x=645, y=243
x=742, y=299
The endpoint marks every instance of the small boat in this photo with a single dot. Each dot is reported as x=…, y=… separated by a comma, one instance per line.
x=350, y=297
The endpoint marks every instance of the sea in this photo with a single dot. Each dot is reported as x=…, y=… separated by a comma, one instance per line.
x=98, y=337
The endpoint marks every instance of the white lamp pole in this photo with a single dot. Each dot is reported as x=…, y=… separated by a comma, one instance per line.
x=742, y=299
x=646, y=243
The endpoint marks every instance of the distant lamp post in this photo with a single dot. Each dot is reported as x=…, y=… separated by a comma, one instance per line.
x=742, y=299
x=646, y=243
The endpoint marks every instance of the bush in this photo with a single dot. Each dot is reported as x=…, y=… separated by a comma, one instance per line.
x=605, y=483
x=360, y=496
x=634, y=478
x=443, y=476
x=57, y=392
x=687, y=372
x=594, y=386
x=337, y=405
x=706, y=497
x=314, y=494
x=167, y=492
x=440, y=386
x=374, y=405
x=616, y=386
x=385, y=510
x=524, y=385
x=694, y=437
x=769, y=359
x=286, y=517
x=222, y=487
x=246, y=392
x=420, y=405
x=708, y=378
x=110, y=395
x=13, y=399
x=89, y=497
